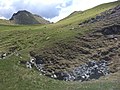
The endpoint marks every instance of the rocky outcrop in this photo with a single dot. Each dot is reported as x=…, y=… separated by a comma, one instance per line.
x=111, y=30
x=85, y=72
x=25, y=17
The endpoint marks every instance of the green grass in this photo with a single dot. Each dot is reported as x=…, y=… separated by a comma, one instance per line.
x=16, y=77
x=31, y=36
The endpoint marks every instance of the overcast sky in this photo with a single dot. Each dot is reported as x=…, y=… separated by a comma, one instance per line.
x=52, y=10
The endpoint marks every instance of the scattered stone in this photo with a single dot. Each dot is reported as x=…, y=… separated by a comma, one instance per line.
x=47, y=38
x=90, y=70
x=72, y=28
x=3, y=55
x=28, y=65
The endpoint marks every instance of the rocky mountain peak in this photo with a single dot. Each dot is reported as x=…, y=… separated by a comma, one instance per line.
x=25, y=17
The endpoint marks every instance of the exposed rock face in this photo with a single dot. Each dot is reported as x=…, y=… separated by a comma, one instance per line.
x=112, y=30
x=25, y=17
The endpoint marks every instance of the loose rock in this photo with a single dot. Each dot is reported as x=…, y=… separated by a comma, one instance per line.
x=90, y=70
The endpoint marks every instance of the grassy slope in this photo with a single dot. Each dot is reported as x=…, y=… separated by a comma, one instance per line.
x=77, y=18
x=15, y=77
x=27, y=37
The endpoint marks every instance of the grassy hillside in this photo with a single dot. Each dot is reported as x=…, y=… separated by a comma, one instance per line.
x=29, y=37
x=37, y=34
x=25, y=38
x=80, y=17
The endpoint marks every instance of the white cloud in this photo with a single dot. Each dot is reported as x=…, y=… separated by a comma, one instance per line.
x=86, y=4
x=1, y=17
x=53, y=10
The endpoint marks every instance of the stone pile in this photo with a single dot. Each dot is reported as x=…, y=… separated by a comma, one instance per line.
x=90, y=70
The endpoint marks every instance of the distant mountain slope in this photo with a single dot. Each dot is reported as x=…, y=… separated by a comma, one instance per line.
x=5, y=22
x=72, y=14
x=25, y=17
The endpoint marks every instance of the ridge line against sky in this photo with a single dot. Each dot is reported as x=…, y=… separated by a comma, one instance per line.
x=52, y=10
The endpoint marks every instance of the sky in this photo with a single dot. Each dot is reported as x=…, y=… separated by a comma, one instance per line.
x=52, y=10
